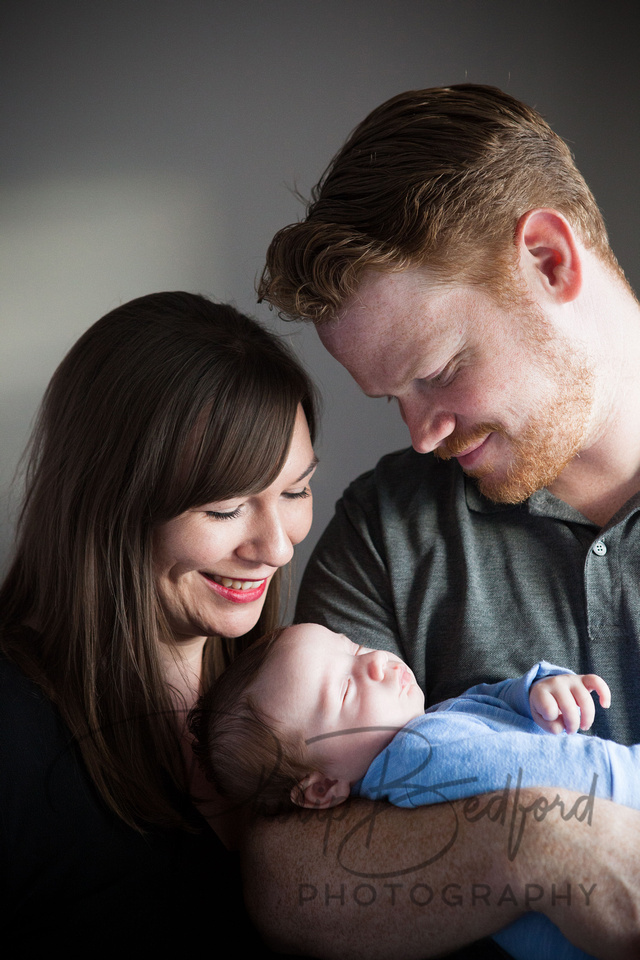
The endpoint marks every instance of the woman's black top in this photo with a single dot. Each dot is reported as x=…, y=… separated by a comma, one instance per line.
x=72, y=874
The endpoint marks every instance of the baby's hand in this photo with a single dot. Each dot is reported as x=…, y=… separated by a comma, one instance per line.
x=564, y=702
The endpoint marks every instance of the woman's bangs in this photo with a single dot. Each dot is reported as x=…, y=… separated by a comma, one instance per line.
x=243, y=445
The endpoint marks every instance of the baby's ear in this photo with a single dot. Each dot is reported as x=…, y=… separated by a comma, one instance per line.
x=319, y=792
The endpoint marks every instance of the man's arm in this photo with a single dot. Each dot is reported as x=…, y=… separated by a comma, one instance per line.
x=373, y=881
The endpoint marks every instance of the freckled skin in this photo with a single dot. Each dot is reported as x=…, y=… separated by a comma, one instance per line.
x=498, y=388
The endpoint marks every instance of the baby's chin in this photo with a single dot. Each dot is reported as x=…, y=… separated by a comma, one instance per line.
x=420, y=710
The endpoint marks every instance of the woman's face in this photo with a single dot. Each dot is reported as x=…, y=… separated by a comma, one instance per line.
x=213, y=563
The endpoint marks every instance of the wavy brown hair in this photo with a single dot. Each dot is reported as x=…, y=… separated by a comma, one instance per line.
x=168, y=402
x=436, y=178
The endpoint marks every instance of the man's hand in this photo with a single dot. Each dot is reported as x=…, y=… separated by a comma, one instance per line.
x=564, y=702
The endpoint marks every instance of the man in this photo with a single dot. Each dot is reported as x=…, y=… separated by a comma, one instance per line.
x=455, y=261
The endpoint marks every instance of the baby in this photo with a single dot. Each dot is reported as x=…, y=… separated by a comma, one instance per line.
x=301, y=716
x=306, y=716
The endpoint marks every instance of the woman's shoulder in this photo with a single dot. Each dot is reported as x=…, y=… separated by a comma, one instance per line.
x=21, y=696
x=69, y=864
x=35, y=745
x=17, y=688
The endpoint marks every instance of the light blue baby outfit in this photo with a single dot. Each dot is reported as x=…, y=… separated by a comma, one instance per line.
x=486, y=740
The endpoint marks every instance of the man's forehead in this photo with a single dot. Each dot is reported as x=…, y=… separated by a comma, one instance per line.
x=389, y=298
x=364, y=316
x=379, y=292
x=375, y=335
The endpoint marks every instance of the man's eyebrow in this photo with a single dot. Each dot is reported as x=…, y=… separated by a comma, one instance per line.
x=314, y=463
x=411, y=374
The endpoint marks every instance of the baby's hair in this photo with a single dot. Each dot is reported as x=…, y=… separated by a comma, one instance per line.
x=242, y=750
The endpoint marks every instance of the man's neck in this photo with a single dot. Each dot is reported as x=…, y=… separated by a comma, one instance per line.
x=605, y=474
x=598, y=502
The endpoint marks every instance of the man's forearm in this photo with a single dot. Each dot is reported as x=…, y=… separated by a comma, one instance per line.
x=367, y=880
x=373, y=881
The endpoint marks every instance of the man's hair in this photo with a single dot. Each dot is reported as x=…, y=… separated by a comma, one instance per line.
x=436, y=178
x=247, y=755
x=168, y=402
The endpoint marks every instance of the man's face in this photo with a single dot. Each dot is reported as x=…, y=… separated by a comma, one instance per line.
x=495, y=387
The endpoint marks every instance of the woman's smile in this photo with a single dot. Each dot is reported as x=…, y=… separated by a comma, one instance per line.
x=214, y=563
x=237, y=591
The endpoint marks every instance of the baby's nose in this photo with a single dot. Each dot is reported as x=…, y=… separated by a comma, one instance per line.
x=376, y=664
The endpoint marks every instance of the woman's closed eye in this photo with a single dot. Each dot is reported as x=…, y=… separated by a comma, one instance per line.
x=232, y=514
x=297, y=494
x=223, y=514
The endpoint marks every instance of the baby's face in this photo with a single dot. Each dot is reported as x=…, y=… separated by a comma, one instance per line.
x=346, y=701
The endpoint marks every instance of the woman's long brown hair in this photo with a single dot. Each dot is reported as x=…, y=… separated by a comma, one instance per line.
x=166, y=403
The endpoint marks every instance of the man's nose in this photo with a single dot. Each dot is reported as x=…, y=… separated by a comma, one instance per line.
x=427, y=427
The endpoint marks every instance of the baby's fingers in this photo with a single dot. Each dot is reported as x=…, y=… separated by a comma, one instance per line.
x=545, y=703
x=596, y=684
x=544, y=709
x=583, y=712
x=576, y=707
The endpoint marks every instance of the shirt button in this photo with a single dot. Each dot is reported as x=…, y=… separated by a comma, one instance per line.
x=599, y=548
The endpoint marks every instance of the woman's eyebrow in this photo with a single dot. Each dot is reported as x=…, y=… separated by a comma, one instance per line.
x=314, y=463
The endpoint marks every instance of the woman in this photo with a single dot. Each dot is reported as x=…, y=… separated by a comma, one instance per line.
x=167, y=484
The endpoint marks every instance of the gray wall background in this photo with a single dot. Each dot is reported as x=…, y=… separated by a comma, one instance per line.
x=153, y=145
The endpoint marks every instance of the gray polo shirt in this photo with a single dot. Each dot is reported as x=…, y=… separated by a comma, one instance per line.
x=418, y=562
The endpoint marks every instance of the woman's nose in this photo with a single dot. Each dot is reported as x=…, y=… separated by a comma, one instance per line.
x=268, y=542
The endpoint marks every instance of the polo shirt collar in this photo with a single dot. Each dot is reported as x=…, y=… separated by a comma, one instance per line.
x=542, y=503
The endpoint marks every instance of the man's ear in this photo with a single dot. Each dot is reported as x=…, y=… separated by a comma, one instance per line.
x=319, y=792
x=549, y=254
